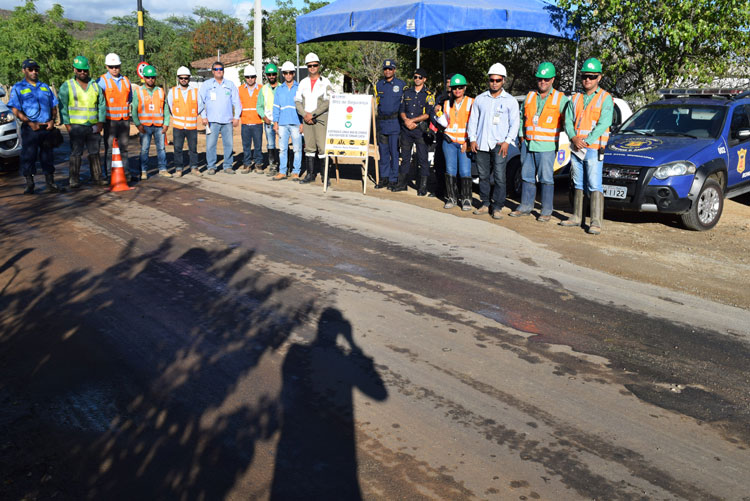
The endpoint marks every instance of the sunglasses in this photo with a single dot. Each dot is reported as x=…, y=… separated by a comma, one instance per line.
x=77, y=69
x=114, y=67
x=251, y=76
x=496, y=80
x=458, y=87
x=543, y=79
x=271, y=74
x=313, y=65
x=183, y=78
x=149, y=78
x=287, y=73
x=589, y=77
x=417, y=77
x=33, y=69
x=218, y=69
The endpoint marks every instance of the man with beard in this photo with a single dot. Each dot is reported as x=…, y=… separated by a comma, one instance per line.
x=265, y=111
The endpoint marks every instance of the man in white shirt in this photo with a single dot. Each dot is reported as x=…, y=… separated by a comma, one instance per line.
x=312, y=105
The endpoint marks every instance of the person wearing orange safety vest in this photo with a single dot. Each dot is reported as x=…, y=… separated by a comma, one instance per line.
x=453, y=116
x=251, y=127
x=184, y=107
x=587, y=122
x=151, y=116
x=543, y=120
x=118, y=94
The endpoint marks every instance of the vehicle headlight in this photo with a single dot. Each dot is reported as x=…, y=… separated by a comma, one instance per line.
x=6, y=117
x=680, y=168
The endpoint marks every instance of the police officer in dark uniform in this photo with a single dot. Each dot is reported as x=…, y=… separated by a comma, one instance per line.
x=388, y=92
x=35, y=105
x=416, y=108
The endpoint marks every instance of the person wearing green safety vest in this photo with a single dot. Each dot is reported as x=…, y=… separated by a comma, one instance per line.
x=83, y=111
x=265, y=111
x=543, y=119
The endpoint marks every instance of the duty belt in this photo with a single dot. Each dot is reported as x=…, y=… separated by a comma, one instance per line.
x=387, y=117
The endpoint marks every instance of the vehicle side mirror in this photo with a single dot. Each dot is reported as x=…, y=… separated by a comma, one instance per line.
x=743, y=134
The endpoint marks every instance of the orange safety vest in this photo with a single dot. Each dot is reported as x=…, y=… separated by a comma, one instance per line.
x=586, y=119
x=458, y=119
x=184, y=113
x=117, y=99
x=249, y=102
x=151, y=107
x=547, y=126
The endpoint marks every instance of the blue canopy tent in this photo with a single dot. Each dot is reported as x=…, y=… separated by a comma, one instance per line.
x=435, y=24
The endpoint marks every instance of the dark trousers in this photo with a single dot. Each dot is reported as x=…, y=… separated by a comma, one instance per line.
x=120, y=130
x=252, y=140
x=388, y=149
x=81, y=136
x=178, y=138
x=34, y=147
x=492, y=163
x=408, y=139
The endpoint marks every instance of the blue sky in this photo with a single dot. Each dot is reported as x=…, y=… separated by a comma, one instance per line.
x=100, y=11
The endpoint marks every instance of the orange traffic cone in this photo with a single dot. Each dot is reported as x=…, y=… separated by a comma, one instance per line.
x=118, y=181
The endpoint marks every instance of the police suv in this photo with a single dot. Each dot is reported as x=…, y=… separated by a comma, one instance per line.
x=682, y=154
x=10, y=137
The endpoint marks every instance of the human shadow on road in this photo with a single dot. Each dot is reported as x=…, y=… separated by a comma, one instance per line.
x=316, y=457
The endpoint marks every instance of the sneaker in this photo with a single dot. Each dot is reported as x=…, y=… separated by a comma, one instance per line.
x=544, y=218
x=482, y=210
x=227, y=171
x=195, y=171
x=144, y=175
x=518, y=213
x=496, y=214
x=295, y=177
x=279, y=177
x=165, y=173
x=211, y=172
x=272, y=172
x=179, y=173
x=245, y=169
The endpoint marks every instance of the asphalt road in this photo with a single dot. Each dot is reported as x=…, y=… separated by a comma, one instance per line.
x=235, y=338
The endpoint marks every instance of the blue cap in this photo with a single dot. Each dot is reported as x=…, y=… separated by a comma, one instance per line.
x=389, y=63
x=29, y=63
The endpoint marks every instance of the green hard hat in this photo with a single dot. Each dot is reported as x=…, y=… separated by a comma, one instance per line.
x=458, y=79
x=592, y=65
x=80, y=63
x=546, y=70
x=149, y=71
x=271, y=68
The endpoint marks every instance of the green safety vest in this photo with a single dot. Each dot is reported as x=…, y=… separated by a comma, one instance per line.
x=83, y=104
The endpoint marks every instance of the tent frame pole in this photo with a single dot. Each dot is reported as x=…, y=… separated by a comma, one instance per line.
x=418, y=51
x=575, y=70
x=297, y=67
x=442, y=38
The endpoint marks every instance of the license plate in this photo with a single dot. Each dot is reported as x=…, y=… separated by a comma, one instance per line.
x=615, y=191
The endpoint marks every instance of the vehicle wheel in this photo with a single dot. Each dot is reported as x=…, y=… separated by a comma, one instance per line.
x=513, y=177
x=706, y=210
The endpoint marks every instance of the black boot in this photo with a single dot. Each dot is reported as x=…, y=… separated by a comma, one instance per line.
x=29, y=190
x=383, y=183
x=310, y=177
x=450, y=192
x=74, y=172
x=466, y=194
x=49, y=180
x=275, y=158
x=95, y=165
x=422, y=189
x=403, y=180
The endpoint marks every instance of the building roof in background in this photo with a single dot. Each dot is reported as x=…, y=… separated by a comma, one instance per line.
x=230, y=59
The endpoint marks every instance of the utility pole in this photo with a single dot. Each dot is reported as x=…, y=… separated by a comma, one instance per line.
x=141, y=46
x=258, y=40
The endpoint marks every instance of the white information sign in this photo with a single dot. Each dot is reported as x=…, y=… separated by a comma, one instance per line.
x=349, y=122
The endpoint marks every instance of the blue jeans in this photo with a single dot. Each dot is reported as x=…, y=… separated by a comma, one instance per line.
x=542, y=164
x=455, y=160
x=212, y=139
x=270, y=136
x=590, y=169
x=284, y=132
x=492, y=162
x=161, y=153
x=252, y=144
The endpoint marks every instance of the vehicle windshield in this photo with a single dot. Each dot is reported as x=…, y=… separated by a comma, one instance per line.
x=687, y=120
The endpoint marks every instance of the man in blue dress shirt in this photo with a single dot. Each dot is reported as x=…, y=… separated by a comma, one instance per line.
x=221, y=112
x=35, y=105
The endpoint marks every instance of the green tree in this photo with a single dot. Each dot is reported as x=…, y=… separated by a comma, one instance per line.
x=45, y=38
x=216, y=31
x=648, y=44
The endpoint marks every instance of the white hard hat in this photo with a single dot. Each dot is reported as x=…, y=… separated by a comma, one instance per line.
x=497, y=69
x=288, y=66
x=183, y=70
x=250, y=71
x=112, y=59
x=312, y=58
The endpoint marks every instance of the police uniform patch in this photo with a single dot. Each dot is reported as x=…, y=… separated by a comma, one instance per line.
x=430, y=99
x=741, y=154
x=396, y=88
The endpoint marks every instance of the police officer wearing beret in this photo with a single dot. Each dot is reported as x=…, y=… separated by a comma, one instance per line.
x=416, y=108
x=388, y=93
x=34, y=104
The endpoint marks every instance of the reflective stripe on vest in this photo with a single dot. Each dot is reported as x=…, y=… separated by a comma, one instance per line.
x=82, y=104
x=151, y=107
x=458, y=119
x=249, y=102
x=586, y=119
x=548, y=123
x=184, y=113
x=117, y=99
